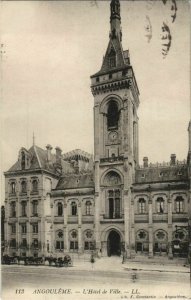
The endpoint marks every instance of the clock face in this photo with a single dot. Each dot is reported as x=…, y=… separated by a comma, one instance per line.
x=113, y=136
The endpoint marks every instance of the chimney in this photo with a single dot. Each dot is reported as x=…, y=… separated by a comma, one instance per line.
x=173, y=159
x=145, y=162
x=58, y=154
x=49, y=148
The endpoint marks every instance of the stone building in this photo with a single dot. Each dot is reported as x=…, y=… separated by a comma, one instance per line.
x=61, y=203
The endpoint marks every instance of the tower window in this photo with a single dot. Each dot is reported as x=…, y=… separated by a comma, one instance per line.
x=97, y=79
x=114, y=199
x=110, y=76
x=112, y=58
x=112, y=115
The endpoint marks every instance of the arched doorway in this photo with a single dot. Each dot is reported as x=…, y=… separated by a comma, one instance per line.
x=114, y=244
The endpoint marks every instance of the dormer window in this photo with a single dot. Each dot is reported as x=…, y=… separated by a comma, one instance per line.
x=22, y=160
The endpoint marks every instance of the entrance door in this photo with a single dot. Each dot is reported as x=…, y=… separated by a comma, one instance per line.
x=114, y=243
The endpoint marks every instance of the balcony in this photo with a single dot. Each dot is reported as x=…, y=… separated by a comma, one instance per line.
x=160, y=217
x=180, y=217
x=117, y=218
x=111, y=159
x=141, y=218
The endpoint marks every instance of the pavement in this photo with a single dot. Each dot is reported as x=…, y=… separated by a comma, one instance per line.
x=114, y=264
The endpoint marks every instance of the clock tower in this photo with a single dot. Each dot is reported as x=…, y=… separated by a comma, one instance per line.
x=116, y=100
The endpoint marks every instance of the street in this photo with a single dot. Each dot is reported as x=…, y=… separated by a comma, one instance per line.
x=87, y=281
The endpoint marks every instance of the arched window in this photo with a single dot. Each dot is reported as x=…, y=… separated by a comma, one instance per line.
x=142, y=206
x=160, y=205
x=22, y=160
x=60, y=209
x=23, y=186
x=88, y=208
x=112, y=116
x=74, y=240
x=34, y=185
x=179, y=204
x=13, y=186
x=60, y=240
x=73, y=208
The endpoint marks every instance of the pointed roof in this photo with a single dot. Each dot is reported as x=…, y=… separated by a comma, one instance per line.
x=114, y=50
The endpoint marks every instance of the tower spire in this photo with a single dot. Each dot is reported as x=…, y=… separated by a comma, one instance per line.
x=33, y=139
x=115, y=19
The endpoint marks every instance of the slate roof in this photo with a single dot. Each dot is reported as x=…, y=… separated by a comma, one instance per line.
x=76, y=181
x=161, y=174
x=121, y=62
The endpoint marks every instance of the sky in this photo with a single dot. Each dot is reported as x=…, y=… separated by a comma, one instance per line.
x=49, y=49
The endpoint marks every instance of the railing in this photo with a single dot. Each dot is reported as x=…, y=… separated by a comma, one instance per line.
x=164, y=164
x=111, y=159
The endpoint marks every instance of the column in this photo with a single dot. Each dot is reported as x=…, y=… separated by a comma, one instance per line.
x=79, y=228
x=52, y=248
x=150, y=228
x=170, y=255
x=29, y=229
x=132, y=229
x=18, y=229
x=97, y=207
x=66, y=245
x=127, y=194
x=7, y=215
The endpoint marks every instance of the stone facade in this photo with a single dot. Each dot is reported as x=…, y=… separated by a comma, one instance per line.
x=62, y=203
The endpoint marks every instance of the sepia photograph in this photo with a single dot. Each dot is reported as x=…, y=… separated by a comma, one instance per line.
x=95, y=152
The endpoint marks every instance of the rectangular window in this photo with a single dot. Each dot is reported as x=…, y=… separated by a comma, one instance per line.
x=59, y=245
x=35, y=208
x=73, y=245
x=88, y=245
x=35, y=228
x=13, y=228
x=13, y=209
x=13, y=243
x=24, y=228
x=24, y=243
x=23, y=209
x=35, y=244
